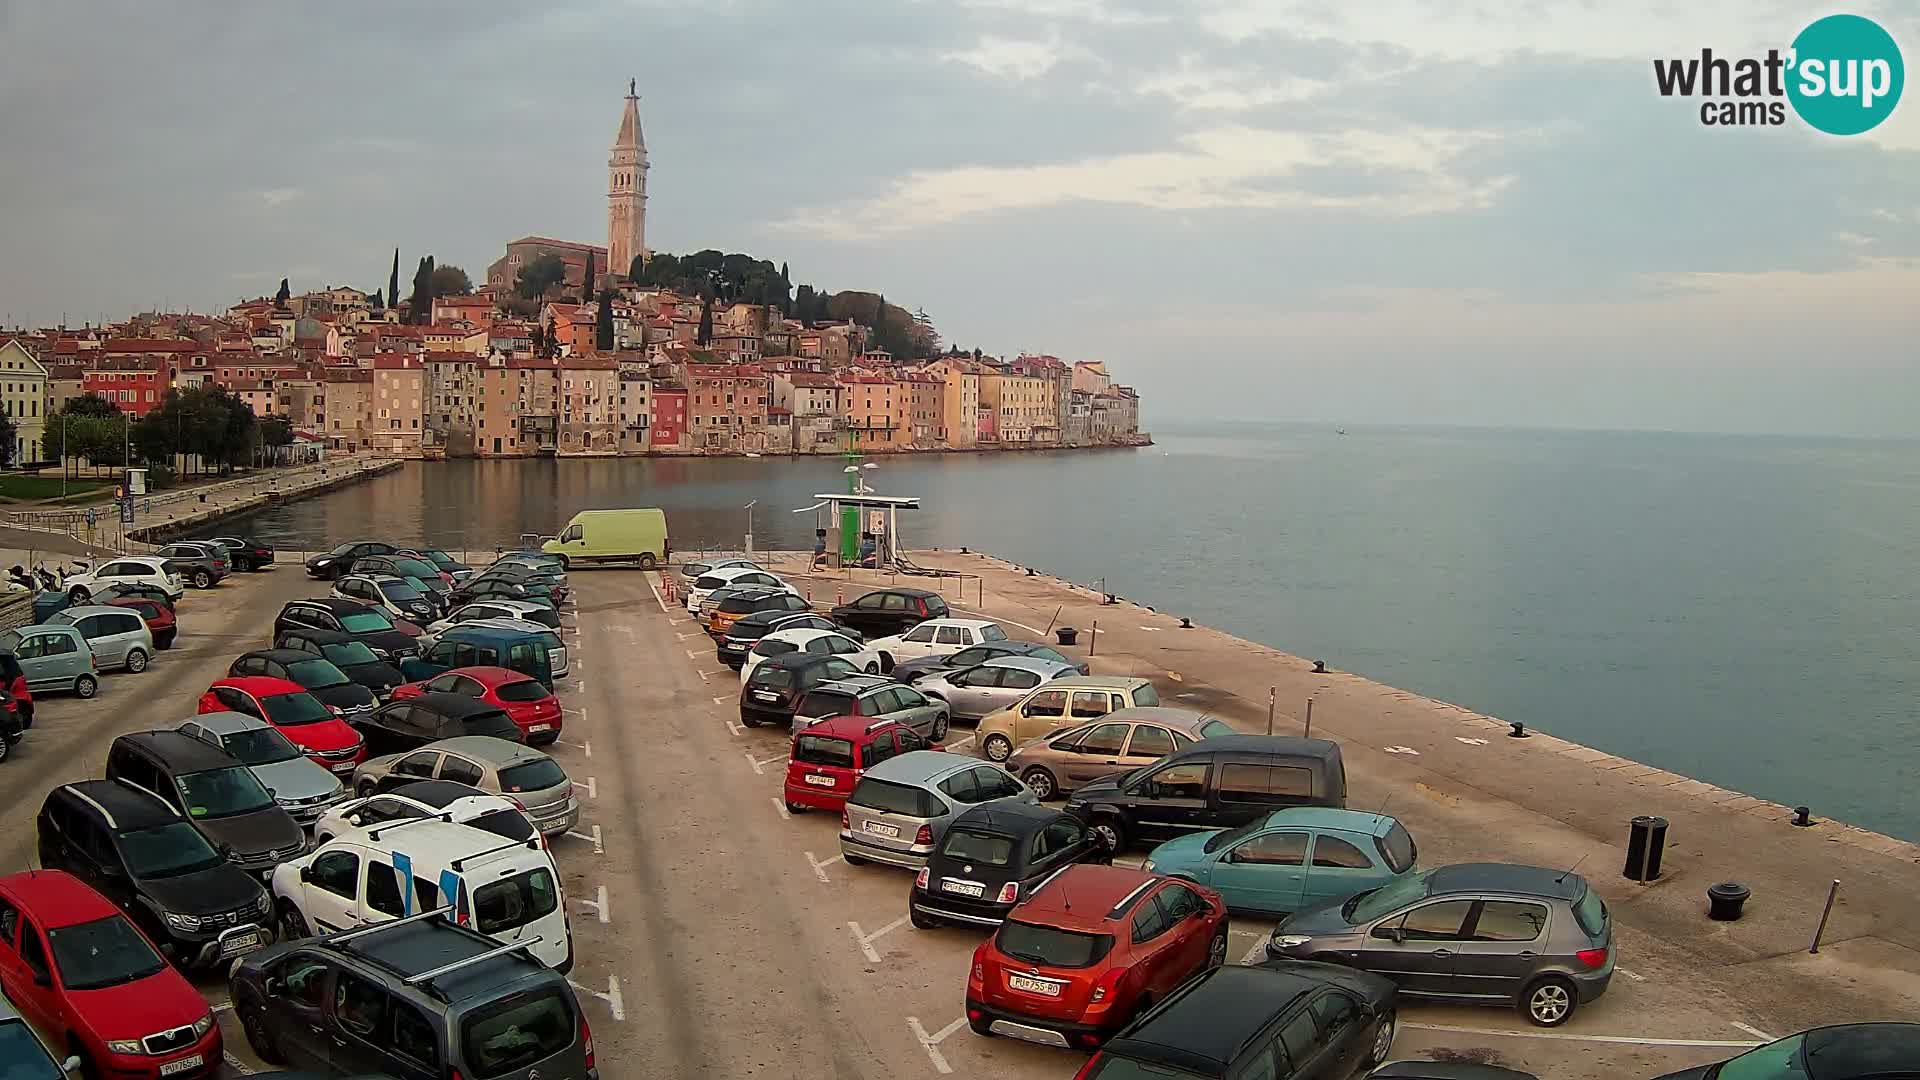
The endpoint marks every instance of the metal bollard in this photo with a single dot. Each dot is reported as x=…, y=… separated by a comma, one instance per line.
x=1819, y=931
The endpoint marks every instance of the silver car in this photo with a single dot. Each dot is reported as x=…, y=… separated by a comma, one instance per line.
x=878, y=697
x=302, y=788
x=522, y=773
x=118, y=636
x=53, y=658
x=901, y=808
x=987, y=688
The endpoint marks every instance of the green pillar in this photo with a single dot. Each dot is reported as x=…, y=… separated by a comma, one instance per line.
x=850, y=515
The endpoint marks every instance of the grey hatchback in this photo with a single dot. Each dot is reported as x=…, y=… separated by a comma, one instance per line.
x=878, y=697
x=1473, y=933
x=984, y=689
x=901, y=808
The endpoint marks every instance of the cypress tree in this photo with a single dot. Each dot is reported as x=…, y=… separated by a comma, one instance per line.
x=706, y=320
x=603, y=323
x=280, y=298
x=393, y=280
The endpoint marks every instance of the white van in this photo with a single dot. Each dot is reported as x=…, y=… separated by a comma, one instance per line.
x=509, y=890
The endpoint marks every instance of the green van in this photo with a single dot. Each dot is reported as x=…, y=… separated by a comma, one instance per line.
x=614, y=536
x=469, y=645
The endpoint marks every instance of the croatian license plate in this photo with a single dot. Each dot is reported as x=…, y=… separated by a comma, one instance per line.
x=820, y=781
x=540, y=727
x=1034, y=986
x=342, y=767
x=880, y=828
x=760, y=695
x=185, y=1064
x=238, y=944
x=964, y=888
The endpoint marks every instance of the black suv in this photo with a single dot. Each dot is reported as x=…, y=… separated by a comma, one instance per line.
x=890, y=611
x=138, y=852
x=416, y=998
x=364, y=623
x=995, y=856
x=332, y=564
x=217, y=794
x=777, y=684
x=348, y=653
x=1215, y=783
x=315, y=674
x=747, y=631
x=412, y=722
x=1304, y=1021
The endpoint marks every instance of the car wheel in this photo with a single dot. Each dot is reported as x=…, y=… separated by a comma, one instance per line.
x=293, y=925
x=647, y=561
x=88, y=1070
x=6, y=749
x=920, y=921
x=1042, y=782
x=1217, y=949
x=1112, y=832
x=366, y=789
x=78, y=594
x=749, y=719
x=886, y=661
x=873, y=667
x=940, y=723
x=1382, y=1041
x=854, y=860
x=982, y=1026
x=202, y=579
x=86, y=686
x=136, y=660
x=1549, y=1002
x=253, y=1021
x=998, y=747
x=795, y=808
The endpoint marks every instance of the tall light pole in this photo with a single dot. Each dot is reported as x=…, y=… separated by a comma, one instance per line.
x=750, y=506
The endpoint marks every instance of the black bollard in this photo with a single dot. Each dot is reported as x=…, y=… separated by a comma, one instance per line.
x=1519, y=730
x=1725, y=900
x=1646, y=841
x=1802, y=816
x=1186, y=623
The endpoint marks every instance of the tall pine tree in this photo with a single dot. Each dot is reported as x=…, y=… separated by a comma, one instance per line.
x=393, y=280
x=280, y=298
x=706, y=320
x=603, y=323
x=586, y=282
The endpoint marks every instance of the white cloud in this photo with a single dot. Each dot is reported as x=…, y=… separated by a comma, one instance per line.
x=275, y=197
x=1093, y=11
x=1205, y=87
x=1219, y=168
x=1012, y=58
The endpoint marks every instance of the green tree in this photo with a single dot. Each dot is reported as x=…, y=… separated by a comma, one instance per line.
x=9, y=436
x=536, y=277
x=393, y=280
x=803, y=304
x=450, y=280
x=280, y=298
x=603, y=322
x=705, y=333
x=421, y=303
x=586, y=280
x=91, y=404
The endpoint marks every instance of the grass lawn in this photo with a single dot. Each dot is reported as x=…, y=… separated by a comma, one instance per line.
x=46, y=486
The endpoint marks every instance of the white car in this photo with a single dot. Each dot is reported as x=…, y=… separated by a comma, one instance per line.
x=496, y=814
x=691, y=571
x=732, y=576
x=500, y=608
x=935, y=637
x=823, y=642
x=510, y=892
x=125, y=570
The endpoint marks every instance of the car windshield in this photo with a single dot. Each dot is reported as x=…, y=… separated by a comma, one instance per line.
x=365, y=622
x=992, y=632
x=1398, y=848
x=508, y=904
x=771, y=675
x=1144, y=697
x=294, y=709
x=528, y=690
x=819, y=750
x=25, y=1058
x=508, y=824
x=1592, y=913
x=1109, y=1067
x=1234, y=835
x=259, y=746
x=1370, y=906
x=1051, y=946
x=399, y=591
x=1215, y=729
x=352, y=654
x=819, y=703
x=316, y=673
x=218, y=793
x=525, y=1029
x=104, y=952
x=532, y=776
x=1770, y=1062
x=986, y=848
x=167, y=851
x=775, y=648
x=419, y=568
x=343, y=548
x=888, y=797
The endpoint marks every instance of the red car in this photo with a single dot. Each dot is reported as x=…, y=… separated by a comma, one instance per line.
x=830, y=757
x=161, y=622
x=1089, y=949
x=330, y=742
x=528, y=703
x=80, y=970
x=16, y=687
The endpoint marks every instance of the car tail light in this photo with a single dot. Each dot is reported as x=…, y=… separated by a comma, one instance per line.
x=844, y=823
x=1008, y=893
x=1593, y=958
x=1109, y=982
x=586, y=1039
x=1085, y=1070
x=924, y=836
x=920, y=880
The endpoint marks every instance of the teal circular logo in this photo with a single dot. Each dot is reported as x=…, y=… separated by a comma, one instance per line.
x=1846, y=75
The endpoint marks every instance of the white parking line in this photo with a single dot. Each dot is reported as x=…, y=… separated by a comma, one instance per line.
x=1009, y=622
x=758, y=762
x=1257, y=953
x=594, y=839
x=722, y=671
x=1634, y=975
x=585, y=747
x=692, y=655
x=968, y=741
x=931, y=1043
x=598, y=906
x=235, y=1063
x=785, y=814
x=684, y=637
x=1748, y=1028
x=820, y=868
x=657, y=598
x=865, y=941
x=736, y=730
x=1563, y=1037
x=612, y=997
x=591, y=787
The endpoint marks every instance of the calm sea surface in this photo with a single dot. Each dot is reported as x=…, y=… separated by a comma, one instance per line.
x=1740, y=609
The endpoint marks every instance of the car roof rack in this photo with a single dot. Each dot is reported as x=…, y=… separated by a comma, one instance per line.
x=531, y=843
x=374, y=833
x=374, y=928
x=445, y=969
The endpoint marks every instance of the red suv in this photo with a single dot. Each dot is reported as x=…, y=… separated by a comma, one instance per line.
x=317, y=728
x=830, y=757
x=81, y=971
x=160, y=619
x=1093, y=946
x=526, y=700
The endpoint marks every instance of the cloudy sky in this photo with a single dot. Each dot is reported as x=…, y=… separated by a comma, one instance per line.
x=1291, y=209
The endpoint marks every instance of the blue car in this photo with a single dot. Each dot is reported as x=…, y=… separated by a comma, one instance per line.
x=1292, y=860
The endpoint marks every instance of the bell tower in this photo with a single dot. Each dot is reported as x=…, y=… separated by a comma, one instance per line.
x=627, y=190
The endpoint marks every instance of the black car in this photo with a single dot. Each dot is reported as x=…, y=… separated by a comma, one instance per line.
x=1448, y=1070
x=749, y=629
x=774, y=690
x=138, y=852
x=475, y=589
x=416, y=997
x=214, y=791
x=752, y=603
x=995, y=856
x=412, y=722
x=107, y=594
x=12, y=728
x=890, y=611
x=1298, y=1021
x=315, y=674
x=1215, y=783
x=974, y=655
x=348, y=653
x=1879, y=1051
x=331, y=564
x=246, y=553
x=369, y=625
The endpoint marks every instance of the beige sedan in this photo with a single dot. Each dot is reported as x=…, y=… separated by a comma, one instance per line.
x=1118, y=742
x=1060, y=703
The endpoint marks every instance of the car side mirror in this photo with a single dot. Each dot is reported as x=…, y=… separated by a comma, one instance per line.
x=354, y=820
x=306, y=874
x=71, y=1065
x=274, y=987
x=1391, y=933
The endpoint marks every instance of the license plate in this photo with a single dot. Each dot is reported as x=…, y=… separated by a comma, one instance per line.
x=238, y=944
x=879, y=828
x=1034, y=986
x=343, y=767
x=820, y=781
x=762, y=696
x=185, y=1064
x=964, y=888
x=540, y=727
